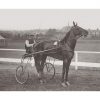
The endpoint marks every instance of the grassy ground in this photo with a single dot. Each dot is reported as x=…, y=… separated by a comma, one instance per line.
x=80, y=80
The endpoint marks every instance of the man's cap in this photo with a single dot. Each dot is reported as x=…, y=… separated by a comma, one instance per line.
x=30, y=35
x=34, y=34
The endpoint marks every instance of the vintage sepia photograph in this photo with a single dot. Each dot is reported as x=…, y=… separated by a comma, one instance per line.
x=49, y=50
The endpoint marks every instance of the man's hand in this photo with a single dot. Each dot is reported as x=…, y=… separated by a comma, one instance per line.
x=55, y=43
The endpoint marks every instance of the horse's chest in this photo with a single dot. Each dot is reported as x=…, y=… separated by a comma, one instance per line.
x=67, y=52
x=66, y=47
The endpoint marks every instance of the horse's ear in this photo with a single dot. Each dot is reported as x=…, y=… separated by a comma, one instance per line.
x=74, y=23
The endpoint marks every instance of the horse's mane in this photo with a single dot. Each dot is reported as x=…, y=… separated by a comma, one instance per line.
x=64, y=40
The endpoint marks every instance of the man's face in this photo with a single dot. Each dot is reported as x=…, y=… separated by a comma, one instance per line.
x=31, y=37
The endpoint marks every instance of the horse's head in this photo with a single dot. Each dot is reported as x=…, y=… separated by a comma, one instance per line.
x=78, y=31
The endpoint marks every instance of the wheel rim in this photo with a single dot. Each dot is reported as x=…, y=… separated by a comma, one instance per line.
x=49, y=71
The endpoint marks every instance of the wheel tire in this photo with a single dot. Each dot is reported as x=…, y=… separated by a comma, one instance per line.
x=22, y=73
x=49, y=71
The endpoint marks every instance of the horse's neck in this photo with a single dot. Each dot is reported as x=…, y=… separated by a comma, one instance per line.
x=64, y=40
x=71, y=41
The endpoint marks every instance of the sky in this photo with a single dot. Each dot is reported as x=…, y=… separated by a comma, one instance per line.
x=26, y=19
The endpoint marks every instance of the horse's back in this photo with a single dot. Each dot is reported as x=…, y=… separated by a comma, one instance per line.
x=49, y=44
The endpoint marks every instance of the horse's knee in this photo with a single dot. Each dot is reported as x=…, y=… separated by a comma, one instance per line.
x=65, y=60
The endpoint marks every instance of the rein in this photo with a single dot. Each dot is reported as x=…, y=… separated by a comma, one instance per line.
x=41, y=51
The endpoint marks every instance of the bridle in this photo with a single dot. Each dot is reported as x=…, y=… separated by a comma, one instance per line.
x=74, y=38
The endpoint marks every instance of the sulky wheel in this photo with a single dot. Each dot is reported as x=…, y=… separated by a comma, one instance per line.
x=49, y=71
x=22, y=73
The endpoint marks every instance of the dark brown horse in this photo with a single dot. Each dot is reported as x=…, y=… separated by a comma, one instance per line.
x=64, y=51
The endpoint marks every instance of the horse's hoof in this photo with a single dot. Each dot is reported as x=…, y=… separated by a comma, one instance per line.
x=41, y=81
x=67, y=83
x=64, y=84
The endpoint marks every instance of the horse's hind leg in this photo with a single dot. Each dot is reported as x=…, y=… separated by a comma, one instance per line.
x=38, y=66
x=39, y=63
x=43, y=60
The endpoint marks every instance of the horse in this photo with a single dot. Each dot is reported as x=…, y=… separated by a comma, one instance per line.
x=64, y=51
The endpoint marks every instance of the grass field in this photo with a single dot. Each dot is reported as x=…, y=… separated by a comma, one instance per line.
x=80, y=80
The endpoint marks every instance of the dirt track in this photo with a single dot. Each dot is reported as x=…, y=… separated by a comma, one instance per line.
x=80, y=80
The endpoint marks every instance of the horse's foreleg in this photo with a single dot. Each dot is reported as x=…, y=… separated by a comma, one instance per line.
x=67, y=70
x=63, y=72
x=66, y=76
